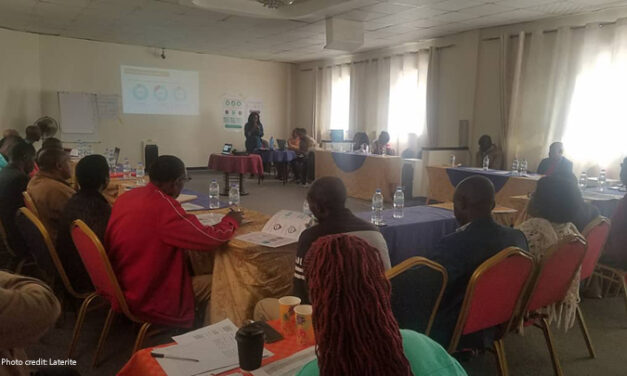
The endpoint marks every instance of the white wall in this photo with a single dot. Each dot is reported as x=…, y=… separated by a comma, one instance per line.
x=39, y=66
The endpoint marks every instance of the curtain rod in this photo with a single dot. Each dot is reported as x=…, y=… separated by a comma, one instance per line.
x=549, y=31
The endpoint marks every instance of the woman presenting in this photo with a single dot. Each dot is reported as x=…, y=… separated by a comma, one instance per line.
x=253, y=130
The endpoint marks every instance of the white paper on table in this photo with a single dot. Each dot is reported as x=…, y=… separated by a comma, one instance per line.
x=209, y=219
x=188, y=206
x=600, y=196
x=184, y=198
x=288, y=366
x=282, y=229
x=500, y=172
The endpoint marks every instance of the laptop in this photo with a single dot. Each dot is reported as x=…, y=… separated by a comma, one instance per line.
x=226, y=150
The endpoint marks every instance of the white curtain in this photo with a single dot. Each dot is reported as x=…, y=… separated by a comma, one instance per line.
x=322, y=114
x=431, y=136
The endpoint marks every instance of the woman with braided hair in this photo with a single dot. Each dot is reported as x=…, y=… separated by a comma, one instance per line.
x=356, y=333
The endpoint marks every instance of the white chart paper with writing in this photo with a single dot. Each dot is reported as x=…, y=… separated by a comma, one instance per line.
x=288, y=366
x=282, y=229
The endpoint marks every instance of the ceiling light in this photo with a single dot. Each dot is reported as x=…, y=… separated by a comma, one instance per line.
x=275, y=4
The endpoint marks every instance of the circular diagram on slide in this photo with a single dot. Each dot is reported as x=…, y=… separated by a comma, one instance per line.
x=160, y=92
x=180, y=94
x=140, y=92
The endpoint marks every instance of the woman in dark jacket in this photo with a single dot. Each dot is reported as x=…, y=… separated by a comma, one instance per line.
x=253, y=130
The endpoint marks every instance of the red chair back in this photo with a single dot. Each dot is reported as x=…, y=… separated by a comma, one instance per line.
x=98, y=266
x=494, y=292
x=556, y=273
x=596, y=234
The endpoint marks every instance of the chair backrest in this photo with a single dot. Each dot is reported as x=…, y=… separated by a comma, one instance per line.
x=98, y=267
x=494, y=293
x=5, y=240
x=556, y=273
x=30, y=204
x=596, y=233
x=417, y=288
x=40, y=246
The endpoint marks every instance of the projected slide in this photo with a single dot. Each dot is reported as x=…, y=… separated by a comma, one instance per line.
x=159, y=91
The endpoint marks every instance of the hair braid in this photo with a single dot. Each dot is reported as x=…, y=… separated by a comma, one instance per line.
x=356, y=332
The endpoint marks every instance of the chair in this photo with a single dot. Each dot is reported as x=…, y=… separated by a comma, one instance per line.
x=30, y=204
x=417, y=288
x=102, y=276
x=551, y=283
x=506, y=275
x=40, y=245
x=596, y=233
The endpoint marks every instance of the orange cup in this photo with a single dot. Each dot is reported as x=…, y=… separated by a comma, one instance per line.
x=287, y=315
x=304, y=325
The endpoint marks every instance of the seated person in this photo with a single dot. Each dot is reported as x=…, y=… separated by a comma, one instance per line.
x=478, y=239
x=615, y=251
x=13, y=181
x=49, y=188
x=293, y=143
x=586, y=212
x=359, y=140
x=347, y=283
x=327, y=200
x=146, y=237
x=28, y=308
x=552, y=208
x=33, y=134
x=414, y=149
x=494, y=153
x=303, y=164
x=90, y=206
x=10, y=133
x=51, y=143
x=5, y=147
x=382, y=146
x=556, y=163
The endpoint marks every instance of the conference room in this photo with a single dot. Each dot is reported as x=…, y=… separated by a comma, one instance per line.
x=302, y=187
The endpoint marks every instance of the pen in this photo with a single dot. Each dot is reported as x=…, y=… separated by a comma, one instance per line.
x=157, y=355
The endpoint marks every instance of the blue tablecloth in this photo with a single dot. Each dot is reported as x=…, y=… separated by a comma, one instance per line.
x=276, y=156
x=203, y=200
x=417, y=233
x=349, y=162
x=497, y=177
x=606, y=205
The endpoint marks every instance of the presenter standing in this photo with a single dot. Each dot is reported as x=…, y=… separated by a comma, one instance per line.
x=253, y=130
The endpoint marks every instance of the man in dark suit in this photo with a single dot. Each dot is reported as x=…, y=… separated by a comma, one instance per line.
x=556, y=163
x=478, y=239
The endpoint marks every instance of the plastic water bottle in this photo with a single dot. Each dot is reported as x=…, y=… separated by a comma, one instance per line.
x=377, y=208
x=139, y=173
x=486, y=162
x=234, y=196
x=271, y=143
x=515, y=167
x=399, y=203
x=214, y=194
x=583, y=180
x=110, y=159
x=602, y=180
x=453, y=160
x=523, y=167
x=126, y=168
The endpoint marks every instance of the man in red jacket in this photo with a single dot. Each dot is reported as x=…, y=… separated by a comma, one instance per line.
x=146, y=236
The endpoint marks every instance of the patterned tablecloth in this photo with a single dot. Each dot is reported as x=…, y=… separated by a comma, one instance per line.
x=142, y=364
x=233, y=164
x=362, y=174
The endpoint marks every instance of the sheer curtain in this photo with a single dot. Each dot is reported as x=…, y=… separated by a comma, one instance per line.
x=322, y=113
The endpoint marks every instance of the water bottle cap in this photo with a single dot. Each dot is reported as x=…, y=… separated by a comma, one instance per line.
x=378, y=190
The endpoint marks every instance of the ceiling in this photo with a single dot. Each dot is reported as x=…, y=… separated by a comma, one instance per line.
x=180, y=25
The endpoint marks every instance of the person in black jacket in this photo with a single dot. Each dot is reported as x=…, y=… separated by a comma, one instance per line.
x=13, y=181
x=556, y=163
x=478, y=239
x=90, y=206
x=253, y=130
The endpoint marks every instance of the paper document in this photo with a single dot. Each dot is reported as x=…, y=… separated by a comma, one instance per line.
x=185, y=198
x=209, y=219
x=288, y=366
x=282, y=229
x=188, y=206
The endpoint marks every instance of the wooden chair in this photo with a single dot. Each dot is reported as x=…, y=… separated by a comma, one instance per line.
x=417, y=288
x=40, y=244
x=505, y=275
x=551, y=283
x=30, y=204
x=102, y=276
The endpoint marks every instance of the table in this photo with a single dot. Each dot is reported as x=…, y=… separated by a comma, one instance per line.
x=361, y=173
x=236, y=164
x=417, y=233
x=142, y=364
x=244, y=273
x=443, y=180
x=502, y=215
x=280, y=158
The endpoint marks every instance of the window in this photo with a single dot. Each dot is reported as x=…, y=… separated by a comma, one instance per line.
x=340, y=97
x=404, y=109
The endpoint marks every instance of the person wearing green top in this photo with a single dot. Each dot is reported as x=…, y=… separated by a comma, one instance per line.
x=355, y=329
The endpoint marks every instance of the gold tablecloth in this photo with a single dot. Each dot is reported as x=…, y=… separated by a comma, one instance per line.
x=376, y=172
x=244, y=273
x=441, y=189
